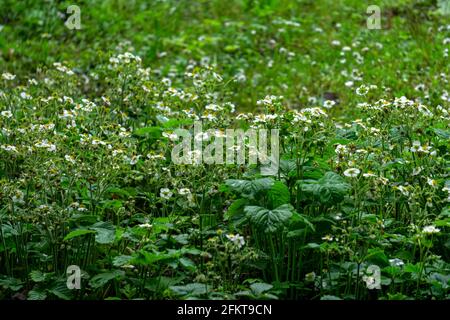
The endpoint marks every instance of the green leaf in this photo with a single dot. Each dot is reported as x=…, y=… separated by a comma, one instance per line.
x=445, y=134
x=177, y=123
x=278, y=194
x=269, y=220
x=188, y=264
x=105, y=232
x=191, y=289
x=300, y=221
x=10, y=283
x=376, y=256
x=145, y=258
x=37, y=276
x=78, y=233
x=37, y=295
x=444, y=7
x=61, y=291
x=328, y=297
x=261, y=287
x=288, y=167
x=154, y=132
x=249, y=188
x=121, y=260
x=103, y=278
x=236, y=208
x=330, y=189
x=231, y=48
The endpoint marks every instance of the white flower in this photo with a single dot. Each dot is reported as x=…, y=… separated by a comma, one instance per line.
x=238, y=240
x=416, y=171
x=167, y=82
x=69, y=159
x=165, y=193
x=369, y=175
x=9, y=148
x=145, y=226
x=329, y=104
x=8, y=76
x=45, y=144
x=25, y=96
x=134, y=160
x=7, y=114
x=18, y=197
x=213, y=107
x=362, y=90
x=341, y=149
x=352, y=172
x=396, y=262
x=184, y=191
x=432, y=182
x=156, y=156
x=310, y=277
x=371, y=282
x=430, y=230
x=403, y=190
x=415, y=146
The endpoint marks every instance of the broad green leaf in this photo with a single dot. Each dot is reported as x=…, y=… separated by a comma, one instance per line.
x=191, y=289
x=155, y=132
x=103, y=278
x=278, y=194
x=260, y=287
x=105, y=232
x=236, y=208
x=177, y=123
x=10, y=283
x=121, y=260
x=330, y=189
x=38, y=276
x=444, y=134
x=187, y=263
x=61, y=291
x=249, y=188
x=376, y=256
x=78, y=233
x=269, y=220
x=37, y=295
x=328, y=297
